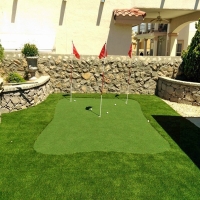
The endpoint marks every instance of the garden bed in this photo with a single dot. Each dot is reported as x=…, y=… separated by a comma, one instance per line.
x=17, y=96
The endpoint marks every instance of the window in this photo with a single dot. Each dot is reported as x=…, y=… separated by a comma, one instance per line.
x=179, y=48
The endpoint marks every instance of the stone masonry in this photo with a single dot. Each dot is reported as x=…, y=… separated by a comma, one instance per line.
x=87, y=72
x=17, y=97
x=146, y=75
x=179, y=91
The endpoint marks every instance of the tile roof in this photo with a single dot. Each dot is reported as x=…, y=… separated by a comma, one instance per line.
x=129, y=12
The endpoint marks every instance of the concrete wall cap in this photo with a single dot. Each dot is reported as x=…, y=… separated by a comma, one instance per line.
x=28, y=85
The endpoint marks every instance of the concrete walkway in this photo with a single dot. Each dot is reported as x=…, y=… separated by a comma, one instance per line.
x=194, y=120
x=192, y=113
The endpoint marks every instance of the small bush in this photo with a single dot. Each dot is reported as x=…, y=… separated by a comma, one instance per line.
x=29, y=50
x=191, y=58
x=14, y=78
x=1, y=52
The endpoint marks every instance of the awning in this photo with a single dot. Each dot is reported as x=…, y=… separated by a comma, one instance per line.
x=131, y=16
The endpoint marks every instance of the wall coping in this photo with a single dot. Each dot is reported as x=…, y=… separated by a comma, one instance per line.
x=18, y=55
x=24, y=86
x=186, y=83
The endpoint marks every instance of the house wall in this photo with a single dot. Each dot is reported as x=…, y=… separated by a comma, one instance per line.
x=28, y=21
x=186, y=34
x=52, y=25
x=192, y=31
x=182, y=4
x=183, y=36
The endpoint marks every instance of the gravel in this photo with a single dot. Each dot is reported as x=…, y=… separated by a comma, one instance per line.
x=184, y=109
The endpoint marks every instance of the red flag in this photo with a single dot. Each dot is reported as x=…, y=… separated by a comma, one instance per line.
x=130, y=51
x=75, y=52
x=103, y=52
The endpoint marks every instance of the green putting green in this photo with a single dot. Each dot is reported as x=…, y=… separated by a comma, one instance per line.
x=76, y=128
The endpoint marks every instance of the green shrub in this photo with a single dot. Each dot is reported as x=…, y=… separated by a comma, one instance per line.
x=29, y=50
x=191, y=58
x=14, y=78
x=1, y=52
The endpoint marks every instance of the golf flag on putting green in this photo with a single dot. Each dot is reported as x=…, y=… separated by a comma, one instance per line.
x=75, y=52
x=103, y=52
x=130, y=51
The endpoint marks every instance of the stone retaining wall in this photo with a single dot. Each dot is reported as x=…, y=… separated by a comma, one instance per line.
x=179, y=91
x=17, y=97
x=87, y=72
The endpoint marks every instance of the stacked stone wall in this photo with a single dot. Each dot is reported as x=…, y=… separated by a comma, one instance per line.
x=146, y=75
x=179, y=91
x=22, y=96
x=87, y=72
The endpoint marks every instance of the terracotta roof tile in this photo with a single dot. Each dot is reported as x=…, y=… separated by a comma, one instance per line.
x=129, y=12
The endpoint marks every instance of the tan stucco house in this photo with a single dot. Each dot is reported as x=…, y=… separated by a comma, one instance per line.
x=52, y=25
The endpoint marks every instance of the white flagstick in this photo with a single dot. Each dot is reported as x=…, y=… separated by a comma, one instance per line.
x=102, y=88
x=105, y=54
x=100, y=106
x=71, y=86
x=130, y=55
x=128, y=85
x=127, y=95
x=71, y=73
x=76, y=55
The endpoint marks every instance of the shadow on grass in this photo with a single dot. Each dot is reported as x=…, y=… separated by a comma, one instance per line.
x=117, y=96
x=184, y=133
x=66, y=95
x=89, y=108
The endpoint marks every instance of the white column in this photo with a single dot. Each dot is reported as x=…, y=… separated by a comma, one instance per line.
x=156, y=27
x=146, y=27
x=155, y=44
x=145, y=47
x=167, y=41
x=138, y=47
x=151, y=27
x=172, y=43
x=138, y=29
x=151, y=47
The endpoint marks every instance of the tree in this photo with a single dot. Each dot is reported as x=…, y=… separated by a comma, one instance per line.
x=1, y=52
x=191, y=57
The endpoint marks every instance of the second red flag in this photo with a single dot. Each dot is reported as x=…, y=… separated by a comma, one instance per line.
x=75, y=52
x=103, y=52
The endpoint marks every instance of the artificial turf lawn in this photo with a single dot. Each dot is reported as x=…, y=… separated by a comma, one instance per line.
x=74, y=128
x=26, y=174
